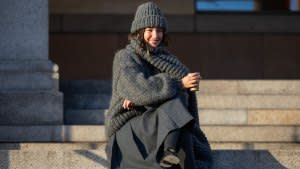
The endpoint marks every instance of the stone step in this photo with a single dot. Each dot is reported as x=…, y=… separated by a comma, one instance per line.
x=28, y=81
x=67, y=146
x=254, y=146
x=96, y=133
x=207, y=116
x=232, y=87
x=96, y=159
x=249, y=116
x=53, y=146
x=96, y=101
x=250, y=87
x=86, y=101
x=85, y=86
x=53, y=133
x=31, y=107
x=77, y=159
x=248, y=134
x=84, y=116
x=258, y=159
x=249, y=101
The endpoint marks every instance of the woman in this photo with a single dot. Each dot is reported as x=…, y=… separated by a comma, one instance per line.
x=152, y=121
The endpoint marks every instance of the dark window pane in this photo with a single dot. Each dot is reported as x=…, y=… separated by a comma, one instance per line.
x=247, y=5
x=225, y=5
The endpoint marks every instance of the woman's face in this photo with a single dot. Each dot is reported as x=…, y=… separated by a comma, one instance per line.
x=153, y=36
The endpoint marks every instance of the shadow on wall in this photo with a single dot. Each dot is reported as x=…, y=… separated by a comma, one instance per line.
x=245, y=159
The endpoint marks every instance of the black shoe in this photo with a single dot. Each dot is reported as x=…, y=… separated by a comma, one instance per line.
x=170, y=158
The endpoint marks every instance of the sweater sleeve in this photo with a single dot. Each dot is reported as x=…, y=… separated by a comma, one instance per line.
x=143, y=90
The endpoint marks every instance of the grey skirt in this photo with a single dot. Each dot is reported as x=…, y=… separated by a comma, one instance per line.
x=139, y=143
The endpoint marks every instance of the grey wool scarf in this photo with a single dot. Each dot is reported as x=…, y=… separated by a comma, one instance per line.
x=161, y=59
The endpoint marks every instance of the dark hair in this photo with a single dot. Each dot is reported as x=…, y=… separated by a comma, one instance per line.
x=139, y=35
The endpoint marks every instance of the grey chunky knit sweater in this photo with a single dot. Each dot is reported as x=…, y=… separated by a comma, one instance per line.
x=133, y=80
x=150, y=79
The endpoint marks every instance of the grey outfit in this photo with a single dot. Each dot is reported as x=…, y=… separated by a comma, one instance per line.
x=151, y=80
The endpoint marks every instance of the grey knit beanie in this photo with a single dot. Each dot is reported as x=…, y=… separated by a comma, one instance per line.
x=148, y=15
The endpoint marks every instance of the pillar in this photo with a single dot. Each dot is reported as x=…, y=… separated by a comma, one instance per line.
x=29, y=92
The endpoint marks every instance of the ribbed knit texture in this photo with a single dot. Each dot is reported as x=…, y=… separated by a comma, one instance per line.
x=148, y=15
x=158, y=89
x=133, y=80
x=161, y=59
x=164, y=61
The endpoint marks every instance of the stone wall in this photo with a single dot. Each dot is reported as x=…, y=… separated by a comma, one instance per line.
x=245, y=46
x=86, y=34
x=117, y=6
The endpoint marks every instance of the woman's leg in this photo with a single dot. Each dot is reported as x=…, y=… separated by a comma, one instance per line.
x=171, y=140
x=170, y=149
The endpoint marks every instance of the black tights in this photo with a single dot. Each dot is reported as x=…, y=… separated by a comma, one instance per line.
x=172, y=139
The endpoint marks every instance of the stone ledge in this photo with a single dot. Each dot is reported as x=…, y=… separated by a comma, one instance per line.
x=225, y=87
x=248, y=134
x=27, y=65
x=69, y=146
x=53, y=146
x=213, y=101
x=254, y=146
x=249, y=116
x=247, y=87
x=96, y=133
x=52, y=133
x=28, y=81
x=274, y=117
x=223, y=117
x=84, y=116
x=87, y=101
x=31, y=107
x=205, y=101
x=85, y=86
x=96, y=159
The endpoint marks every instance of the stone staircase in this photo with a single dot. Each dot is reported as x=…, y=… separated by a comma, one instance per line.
x=251, y=124
x=85, y=102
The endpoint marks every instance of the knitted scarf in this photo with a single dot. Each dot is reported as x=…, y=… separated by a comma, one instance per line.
x=161, y=59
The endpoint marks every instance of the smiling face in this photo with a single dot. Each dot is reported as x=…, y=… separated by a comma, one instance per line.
x=153, y=36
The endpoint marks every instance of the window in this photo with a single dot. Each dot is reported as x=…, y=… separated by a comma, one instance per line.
x=247, y=5
x=225, y=5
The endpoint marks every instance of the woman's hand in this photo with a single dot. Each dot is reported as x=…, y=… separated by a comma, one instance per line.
x=191, y=80
x=127, y=104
